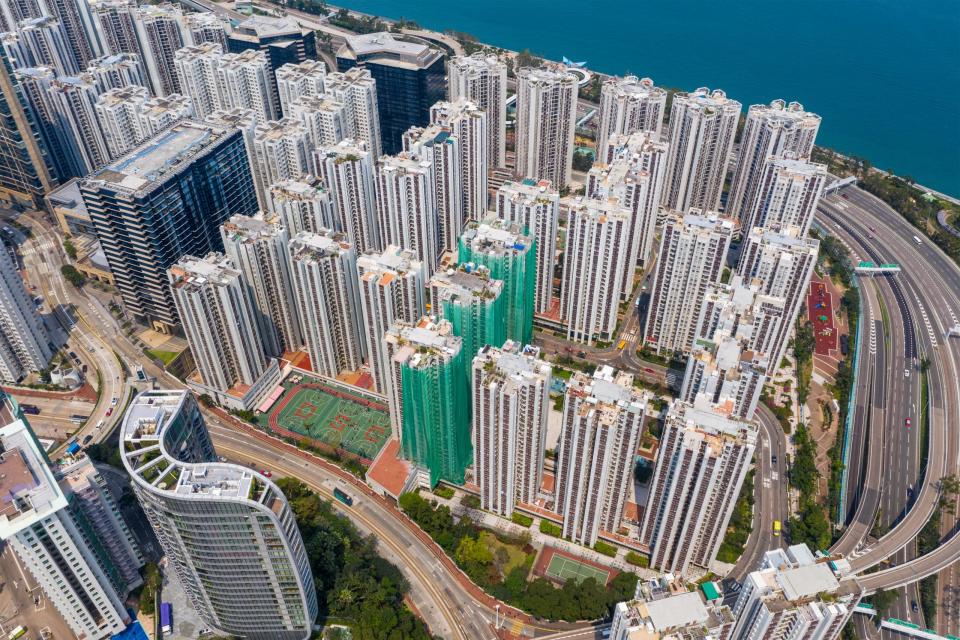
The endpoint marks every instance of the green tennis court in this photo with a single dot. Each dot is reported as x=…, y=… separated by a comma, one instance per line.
x=335, y=417
x=564, y=569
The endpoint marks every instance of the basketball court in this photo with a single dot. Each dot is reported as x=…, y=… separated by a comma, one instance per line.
x=335, y=416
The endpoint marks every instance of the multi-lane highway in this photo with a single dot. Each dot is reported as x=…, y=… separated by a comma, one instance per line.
x=921, y=304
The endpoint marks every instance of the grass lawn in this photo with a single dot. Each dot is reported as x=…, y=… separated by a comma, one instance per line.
x=164, y=356
x=516, y=555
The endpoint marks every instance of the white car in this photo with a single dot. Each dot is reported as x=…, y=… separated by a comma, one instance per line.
x=113, y=402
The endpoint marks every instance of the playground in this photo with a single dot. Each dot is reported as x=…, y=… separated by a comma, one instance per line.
x=332, y=414
x=560, y=567
x=820, y=312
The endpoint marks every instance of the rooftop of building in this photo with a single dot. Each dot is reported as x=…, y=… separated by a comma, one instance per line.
x=496, y=237
x=514, y=360
x=149, y=164
x=608, y=387
x=547, y=75
x=159, y=105
x=390, y=470
x=787, y=238
x=478, y=59
x=244, y=58
x=213, y=269
x=114, y=60
x=249, y=229
x=163, y=10
x=704, y=98
x=306, y=188
x=29, y=491
x=200, y=50
x=260, y=26
x=316, y=246
x=67, y=198
x=799, y=166
x=277, y=129
x=142, y=445
x=392, y=258
x=529, y=189
x=632, y=85
x=325, y=102
x=121, y=95
x=663, y=608
x=391, y=49
x=466, y=284
x=594, y=208
x=782, y=110
x=234, y=118
x=710, y=423
x=425, y=343
x=308, y=68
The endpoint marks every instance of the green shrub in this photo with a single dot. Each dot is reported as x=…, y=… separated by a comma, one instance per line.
x=522, y=520
x=605, y=548
x=550, y=529
x=638, y=560
x=444, y=492
x=470, y=502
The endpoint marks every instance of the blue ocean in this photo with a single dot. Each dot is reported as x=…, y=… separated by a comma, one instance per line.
x=884, y=74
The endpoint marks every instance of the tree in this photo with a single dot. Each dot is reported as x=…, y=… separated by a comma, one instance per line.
x=582, y=161
x=70, y=249
x=882, y=600
x=527, y=59
x=73, y=276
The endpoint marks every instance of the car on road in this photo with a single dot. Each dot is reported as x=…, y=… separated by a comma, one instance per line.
x=777, y=527
x=581, y=354
x=267, y=473
x=913, y=606
x=909, y=493
x=648, y=370
x=113, y=401
x=109, y=412
x=844, y=196
x=906, y=373
x=87, y=438
x=907, y=423
x=773, y=459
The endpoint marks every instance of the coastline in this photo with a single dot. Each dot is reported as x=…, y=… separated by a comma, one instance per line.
x=843, y=139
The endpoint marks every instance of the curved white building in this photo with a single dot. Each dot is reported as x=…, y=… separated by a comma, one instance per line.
x=226, y=530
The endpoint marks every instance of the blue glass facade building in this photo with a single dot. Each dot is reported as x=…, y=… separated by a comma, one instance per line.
x=410, y=77
x=164, y=199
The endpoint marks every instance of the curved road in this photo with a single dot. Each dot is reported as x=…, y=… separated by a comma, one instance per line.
x=930, y=284
x=78, y=315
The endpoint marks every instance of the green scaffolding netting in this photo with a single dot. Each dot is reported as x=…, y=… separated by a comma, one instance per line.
x=517, y=268
x=436, y=417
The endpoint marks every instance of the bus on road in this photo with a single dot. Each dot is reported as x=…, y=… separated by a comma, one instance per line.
x=342, y=497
